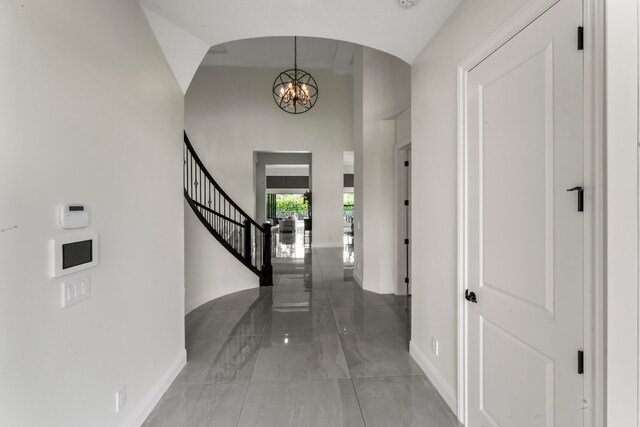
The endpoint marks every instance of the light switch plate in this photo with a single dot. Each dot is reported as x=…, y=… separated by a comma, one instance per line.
x=121, y=398
x=435, y=346
x=75, y=290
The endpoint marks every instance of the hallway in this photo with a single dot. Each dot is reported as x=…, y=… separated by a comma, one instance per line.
x=314, y=350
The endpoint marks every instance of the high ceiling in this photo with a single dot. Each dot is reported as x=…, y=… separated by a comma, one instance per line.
x=277, y=52
x=186, y=29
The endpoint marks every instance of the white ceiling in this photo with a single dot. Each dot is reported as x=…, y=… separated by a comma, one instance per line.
x=380, y=24
x=277, y=52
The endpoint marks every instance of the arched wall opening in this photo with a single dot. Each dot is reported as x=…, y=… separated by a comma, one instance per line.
x=230, y=114
x=185, y=32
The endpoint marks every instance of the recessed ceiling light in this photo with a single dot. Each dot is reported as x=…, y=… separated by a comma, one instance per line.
x=406, y=4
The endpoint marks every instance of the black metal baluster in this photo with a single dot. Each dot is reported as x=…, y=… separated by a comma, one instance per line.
x=209, y=202
x=238, y=238
x=247, y=240
x=266, y=257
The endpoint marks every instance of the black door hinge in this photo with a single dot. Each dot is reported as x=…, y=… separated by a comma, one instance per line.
x=580, y=38
x=406, y=280
x=406, y=162
x=406, y=203
x=580, y=362
x=406, y=241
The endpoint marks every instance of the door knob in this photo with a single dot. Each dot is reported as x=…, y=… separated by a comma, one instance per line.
x=470, y=296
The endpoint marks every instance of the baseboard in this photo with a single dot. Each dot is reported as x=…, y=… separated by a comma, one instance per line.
x=150, y=401
x=191, y=305
x=357, y=278
x=326, y=245
x=194, y=303
x=430, y=371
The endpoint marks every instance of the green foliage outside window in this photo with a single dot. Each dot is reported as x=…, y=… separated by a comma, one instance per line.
x=290, y=204
x=347, y=202
x=294, y=204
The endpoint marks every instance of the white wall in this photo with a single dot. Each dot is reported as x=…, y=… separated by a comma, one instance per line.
x=403, y=127
x=358, y=156
x=382, y=91
x=434, y=178
x=91, y=113
x=220, y=275
x=622, y=212
x=230, y=114
x=183, y=51
x=287, y=170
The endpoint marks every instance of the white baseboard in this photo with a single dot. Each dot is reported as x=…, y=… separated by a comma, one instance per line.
x=191, y=305
x=326, y=245
x=357, y=278
x=196, y=302
x=149, y=402
x=430, y=371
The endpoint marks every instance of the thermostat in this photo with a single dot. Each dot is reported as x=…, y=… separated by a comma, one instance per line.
x=73, y=216
x=72, y=253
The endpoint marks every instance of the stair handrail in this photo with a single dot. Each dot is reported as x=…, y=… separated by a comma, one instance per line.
x=252, y=248
x=215, y=183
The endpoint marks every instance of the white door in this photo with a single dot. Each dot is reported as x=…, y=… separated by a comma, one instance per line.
x=525, y=234
x=407, y=186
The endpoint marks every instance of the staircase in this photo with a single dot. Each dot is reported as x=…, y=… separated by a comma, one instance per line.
x=243, y=237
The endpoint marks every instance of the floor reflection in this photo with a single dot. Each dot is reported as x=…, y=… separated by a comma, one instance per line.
x=347, y=253
x=297, y=244
x=292, y=245
x=313, y=350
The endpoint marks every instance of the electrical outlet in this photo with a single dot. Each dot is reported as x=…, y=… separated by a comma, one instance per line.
x=434, y=346
x=121, y=398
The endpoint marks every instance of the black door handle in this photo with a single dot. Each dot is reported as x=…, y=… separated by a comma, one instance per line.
x=470, y=296
x=580, y=191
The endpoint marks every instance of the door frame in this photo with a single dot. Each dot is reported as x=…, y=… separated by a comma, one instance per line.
x=399, y=149
x=594, y=219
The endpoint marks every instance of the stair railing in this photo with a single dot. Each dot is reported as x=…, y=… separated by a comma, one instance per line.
x=240, y=234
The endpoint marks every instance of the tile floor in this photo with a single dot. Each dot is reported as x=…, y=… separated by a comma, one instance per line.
x=314, y=350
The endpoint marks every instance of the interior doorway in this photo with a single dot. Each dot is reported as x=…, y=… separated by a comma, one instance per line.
x=403, y=219
x=348, y=206
x=281, y=173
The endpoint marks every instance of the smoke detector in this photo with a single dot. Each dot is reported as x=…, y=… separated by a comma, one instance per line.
x=407, y=4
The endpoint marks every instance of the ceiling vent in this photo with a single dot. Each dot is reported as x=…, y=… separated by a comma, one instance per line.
x=219, y=49
x=407, y=4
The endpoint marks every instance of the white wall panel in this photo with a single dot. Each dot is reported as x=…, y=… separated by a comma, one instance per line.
x=91, y=113
x=434, y=177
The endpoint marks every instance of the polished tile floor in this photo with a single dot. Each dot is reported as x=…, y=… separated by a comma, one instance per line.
x=314, y=350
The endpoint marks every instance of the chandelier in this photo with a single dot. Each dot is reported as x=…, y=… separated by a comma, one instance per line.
x=295, y=91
